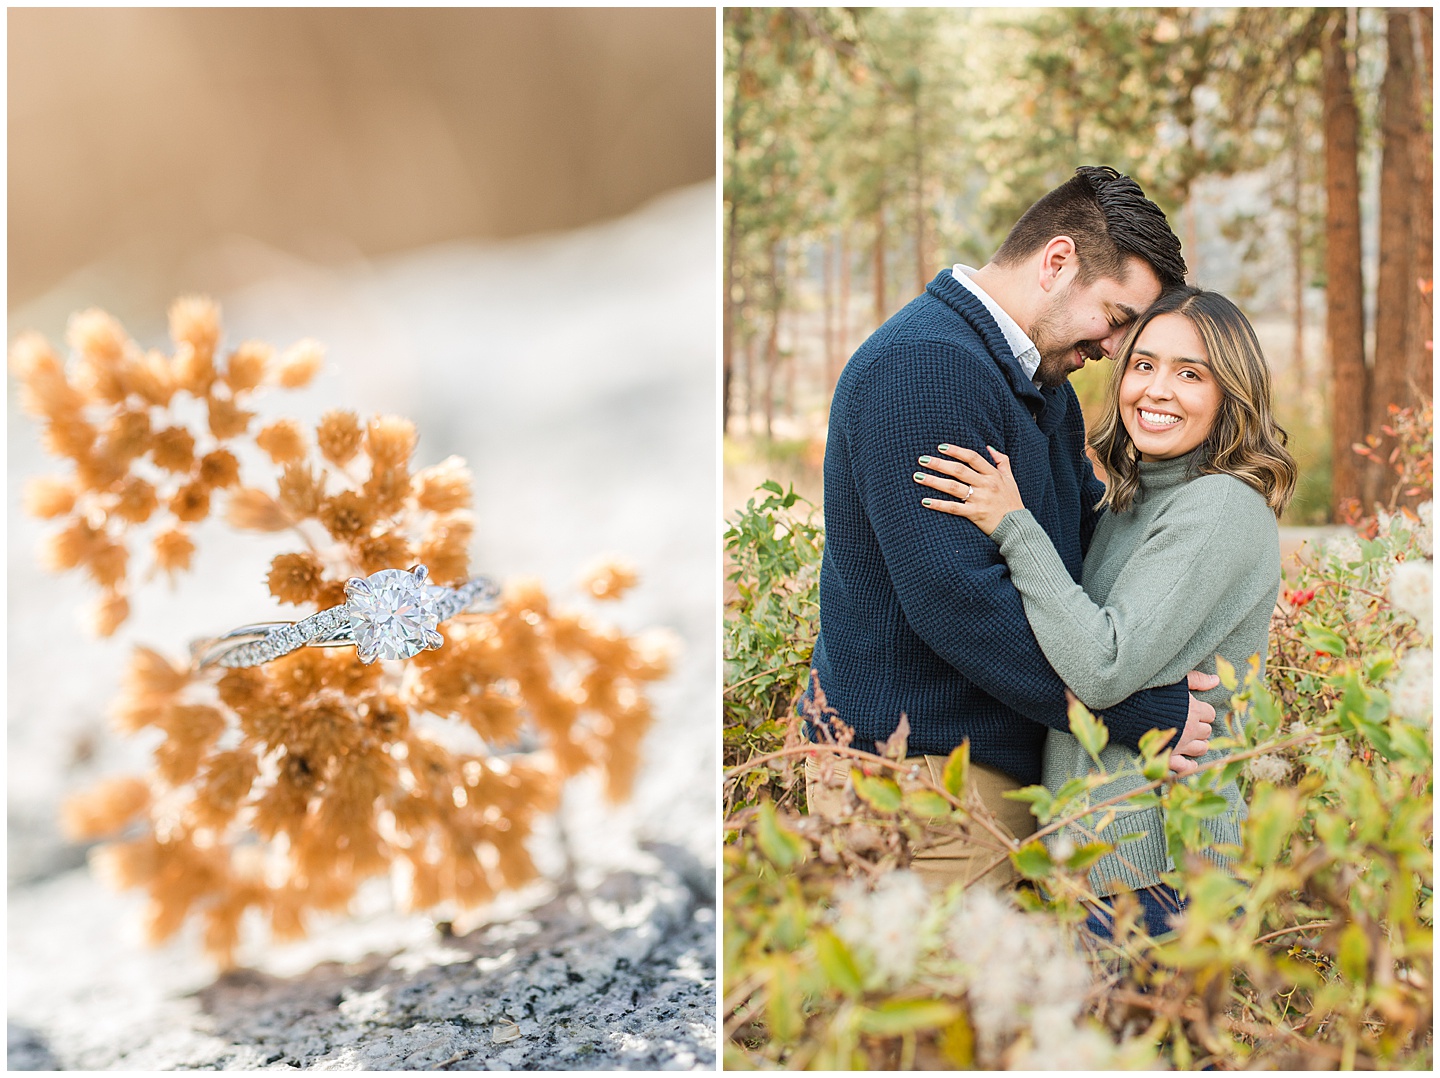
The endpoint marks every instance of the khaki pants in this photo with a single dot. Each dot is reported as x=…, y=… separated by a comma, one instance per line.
x=949, y=860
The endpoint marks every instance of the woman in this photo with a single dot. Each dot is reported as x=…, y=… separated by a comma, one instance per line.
x=1185, y=564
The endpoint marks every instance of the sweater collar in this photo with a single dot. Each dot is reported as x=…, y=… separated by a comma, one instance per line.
x=1159, y=475
x=969, y=306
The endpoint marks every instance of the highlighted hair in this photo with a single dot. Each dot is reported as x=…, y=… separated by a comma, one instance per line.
x=1244, y=440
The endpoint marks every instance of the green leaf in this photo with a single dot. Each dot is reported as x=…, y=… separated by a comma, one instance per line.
x=957, y=770
x=880, y=793
x=926, y=803
x=780, y=845
x=1087, y=855
x=1041, y=800
x=1226, y=672
x=1323, y=639
x=1209, y=805
x=1354, y=953
x=897, y=1016
x=1273, y=815
x=1088, y=730
x=1409, y=742
x=838, y=963
x=1032, y=861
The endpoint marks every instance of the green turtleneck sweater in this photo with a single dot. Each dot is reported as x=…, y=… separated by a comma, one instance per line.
x=1190, y=570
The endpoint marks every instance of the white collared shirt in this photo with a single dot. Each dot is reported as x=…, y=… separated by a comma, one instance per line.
x=1026, y=354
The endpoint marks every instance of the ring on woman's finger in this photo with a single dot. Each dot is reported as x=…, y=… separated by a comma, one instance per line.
x=969, y=490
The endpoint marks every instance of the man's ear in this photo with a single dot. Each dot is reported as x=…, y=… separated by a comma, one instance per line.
x=1057, y=263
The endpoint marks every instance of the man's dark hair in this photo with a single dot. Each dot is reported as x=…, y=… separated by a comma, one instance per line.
x=1109, y=218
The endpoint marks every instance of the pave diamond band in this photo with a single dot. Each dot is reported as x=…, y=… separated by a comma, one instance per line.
x=392, y=614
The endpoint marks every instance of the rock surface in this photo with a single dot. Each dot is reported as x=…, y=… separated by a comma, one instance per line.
x=576, y=373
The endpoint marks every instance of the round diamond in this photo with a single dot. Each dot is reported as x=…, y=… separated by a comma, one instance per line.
x=393, y=616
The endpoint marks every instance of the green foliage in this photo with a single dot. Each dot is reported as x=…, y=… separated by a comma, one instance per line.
x=1309, y=947
x=771, y=620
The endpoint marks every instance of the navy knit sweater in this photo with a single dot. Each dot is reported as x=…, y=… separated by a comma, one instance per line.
x=917, y=611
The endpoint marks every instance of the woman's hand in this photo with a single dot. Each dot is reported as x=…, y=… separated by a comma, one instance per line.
x=986, y=491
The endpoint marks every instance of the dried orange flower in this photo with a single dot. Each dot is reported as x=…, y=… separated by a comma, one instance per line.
x=295, y=578
x=49, y=497
x=173, y=550
x=173, y=449
x=191, y=502
x=609, y=578
x=277, y=790
x=247, y=366
x=300, y=364
x=443, y=487
x=283, y=441
x=338, y=435
x=219, y=469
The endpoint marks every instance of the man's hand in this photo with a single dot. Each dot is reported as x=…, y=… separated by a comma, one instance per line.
x=1195, y=738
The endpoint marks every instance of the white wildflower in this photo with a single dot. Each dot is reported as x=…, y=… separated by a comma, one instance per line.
x=1062, y=848
x=1066, y=1047
x=1422, y=530
x=1413, y=687
x=1412, y=589
x=1022, y=973
x=1342, y=752
x=886, y=927
x=1270, y=767
x=1344, y=548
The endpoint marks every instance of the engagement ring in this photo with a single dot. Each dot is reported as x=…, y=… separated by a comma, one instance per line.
x=391, y=614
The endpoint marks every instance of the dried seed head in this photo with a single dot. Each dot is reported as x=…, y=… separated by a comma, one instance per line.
x=388, y=551
x=445, y=549
x=247, y=366
x=195, y=321
x=254, y=510
x=295, y=578
x=173, y=551
x=127, y=436
x=609, y=578
x=338, y=435
x=105, y=809
x=109, y=613
x=73, y=546
x=219, y=469
x=300, y=363
x=345, y=516
x=135, y=501
x=173, y=449
x=443, y=487
x=390, y=441
x=228, y=419
x=191, y=502
x=283, y=440
x=107, y=564
x=149, y=377
x=68, y=436
x=49, y=496
x=99, y=471
x=300, y=491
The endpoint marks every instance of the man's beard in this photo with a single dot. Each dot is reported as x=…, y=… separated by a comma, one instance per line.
x=1057, y=357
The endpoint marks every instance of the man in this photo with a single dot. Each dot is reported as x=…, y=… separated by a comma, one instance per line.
x=918, y=616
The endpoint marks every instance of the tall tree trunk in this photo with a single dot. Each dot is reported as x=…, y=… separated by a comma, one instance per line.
x=1395, y=291
x=1422, y=216
x=772, y=341
x=732, y=235
x=842, y=350
x=1344, y=312
x=922, y=259
x=878, y=268
x=827, y=288
x=1297, y=239
x=747, y=353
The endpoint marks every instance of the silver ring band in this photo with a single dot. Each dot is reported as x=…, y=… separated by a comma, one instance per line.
x=969, y=490
x=392, y=614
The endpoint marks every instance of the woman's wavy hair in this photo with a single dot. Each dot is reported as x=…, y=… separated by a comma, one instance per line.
x=1244, y=441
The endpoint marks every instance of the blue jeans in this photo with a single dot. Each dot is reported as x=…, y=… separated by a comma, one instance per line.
x=1156, y=904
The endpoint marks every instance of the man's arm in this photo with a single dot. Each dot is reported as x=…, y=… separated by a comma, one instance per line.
x=952, y=583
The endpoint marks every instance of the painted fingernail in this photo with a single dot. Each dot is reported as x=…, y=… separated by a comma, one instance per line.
x=924, y=501
x=944, y=446
x=919, y=476
x=924, y=460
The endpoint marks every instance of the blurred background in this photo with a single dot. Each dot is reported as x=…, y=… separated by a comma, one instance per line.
x=1291, y=148
x=500, y=223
